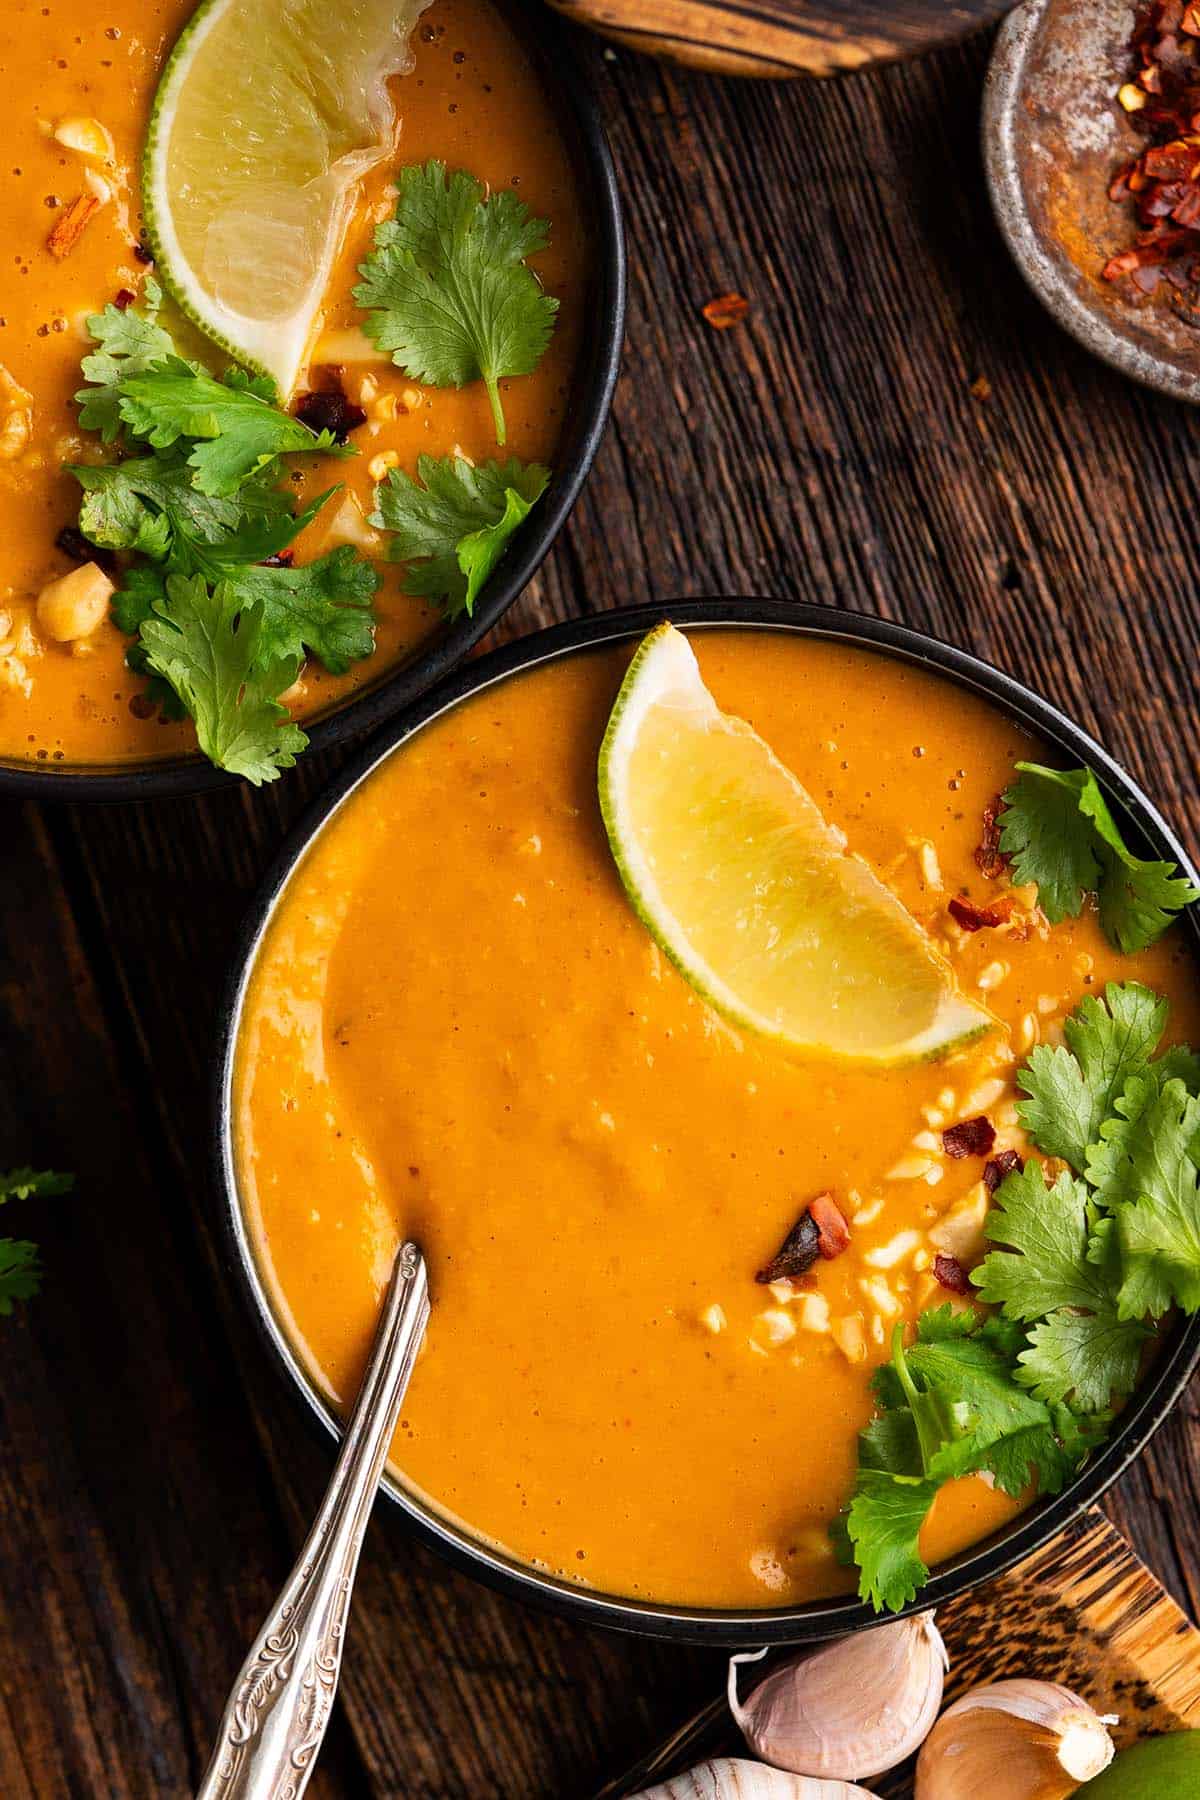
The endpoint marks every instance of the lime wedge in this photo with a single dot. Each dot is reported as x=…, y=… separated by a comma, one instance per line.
x=750, y=892
x=267, y=115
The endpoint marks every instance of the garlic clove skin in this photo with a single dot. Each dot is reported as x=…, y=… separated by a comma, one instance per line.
x=849, y=1711
x=731, y=1778
x=1045, y=1739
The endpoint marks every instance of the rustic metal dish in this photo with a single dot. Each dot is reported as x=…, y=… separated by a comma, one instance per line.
x=587, y=414
x=1053, y=135
x=1179, y=1352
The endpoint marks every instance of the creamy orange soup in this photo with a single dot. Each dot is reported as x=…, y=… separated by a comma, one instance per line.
x=471, y=99
x=457, y=1029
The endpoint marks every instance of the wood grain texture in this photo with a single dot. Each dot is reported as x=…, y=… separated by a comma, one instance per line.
x=1083, y=1611
x=154, y=1474
x=778, y=39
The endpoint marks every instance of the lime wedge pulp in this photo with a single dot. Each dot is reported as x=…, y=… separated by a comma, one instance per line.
x=748, y=889
x=267, y=114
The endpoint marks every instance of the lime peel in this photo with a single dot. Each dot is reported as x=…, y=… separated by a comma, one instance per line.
x=751, y=893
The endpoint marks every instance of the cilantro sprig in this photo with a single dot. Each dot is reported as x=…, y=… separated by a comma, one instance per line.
x=221, y=621
x=20, y=1263
x=1080, y=1269
x=949, y=1406
x=1057, y=828
x=446, y=289
x=453, y=522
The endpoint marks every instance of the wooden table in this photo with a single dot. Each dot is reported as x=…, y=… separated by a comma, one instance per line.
x=895, y=427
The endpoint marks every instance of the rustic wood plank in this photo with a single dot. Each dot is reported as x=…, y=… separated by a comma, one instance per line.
x=830, y=448
x=777, y=39
x=128, y=1574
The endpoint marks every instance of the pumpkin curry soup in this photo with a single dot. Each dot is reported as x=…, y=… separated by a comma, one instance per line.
x=250, y=550
x=668, y=1256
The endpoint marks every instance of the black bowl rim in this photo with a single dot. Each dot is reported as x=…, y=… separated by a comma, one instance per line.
x=603, y=336
x=815, y=1620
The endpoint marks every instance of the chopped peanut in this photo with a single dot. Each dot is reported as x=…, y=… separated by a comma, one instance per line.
x=849, y=1334
x=886, y=1256
x=348, y=526
x=774, y=1326
x=959, y=1232
x=812, y=1312
x=74, y=605
x=16, y=416
x=88, y=136
x=379, y=465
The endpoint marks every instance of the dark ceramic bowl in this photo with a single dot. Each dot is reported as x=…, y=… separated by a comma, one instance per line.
x=587, y=415
x=1180, y=1348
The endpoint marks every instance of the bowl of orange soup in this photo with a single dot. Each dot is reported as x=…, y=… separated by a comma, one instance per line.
x=483, y=104
x=636, y=1403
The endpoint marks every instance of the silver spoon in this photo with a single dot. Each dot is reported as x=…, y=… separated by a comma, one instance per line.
x=275, y=1720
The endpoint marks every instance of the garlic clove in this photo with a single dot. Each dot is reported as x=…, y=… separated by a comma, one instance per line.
x=1045, y=1738
x=732, y=1778
x=851, y=1710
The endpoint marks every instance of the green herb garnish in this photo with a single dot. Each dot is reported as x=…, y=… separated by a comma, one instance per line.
x=1080, y=1270
x=209, y=647
x=20, y=1266
x=446, y=290
x=220, y=624
x=1059, y=832
x=950, y=1406
x=453, y=523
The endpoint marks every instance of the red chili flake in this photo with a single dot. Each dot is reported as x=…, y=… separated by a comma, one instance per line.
x=143, y=252
x=1161, y=101
x=328, y=409
x=951, y=1274
x=833, y=1233
x=989, y=857
x=975, y=918
x=70, y=225
x=797, y=1253
x=283, y=560
x=970, y=1137
x=996, y=1168
x=725, y=311
x=125, y=297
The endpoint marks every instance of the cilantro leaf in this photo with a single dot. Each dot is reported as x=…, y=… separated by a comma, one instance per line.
x=1049, y=1229
x=322, y=608
x=884, y=1526
x=237, y=428
x=1059, y=832
x=1145, y=1170
x=20, y=1267
x=128, y=342
x=446, y=290
x=1008, y=1433
x=950, y=1405
x=454, y=522
x=1084, y=1359
x=31, y=1184
x=20, y=1272
x=1082, y=1350
x=1071, y=1090
x=144, y=503
x=206, y=647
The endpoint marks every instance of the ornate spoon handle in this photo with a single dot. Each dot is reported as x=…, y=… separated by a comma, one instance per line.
x=277, y=1713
